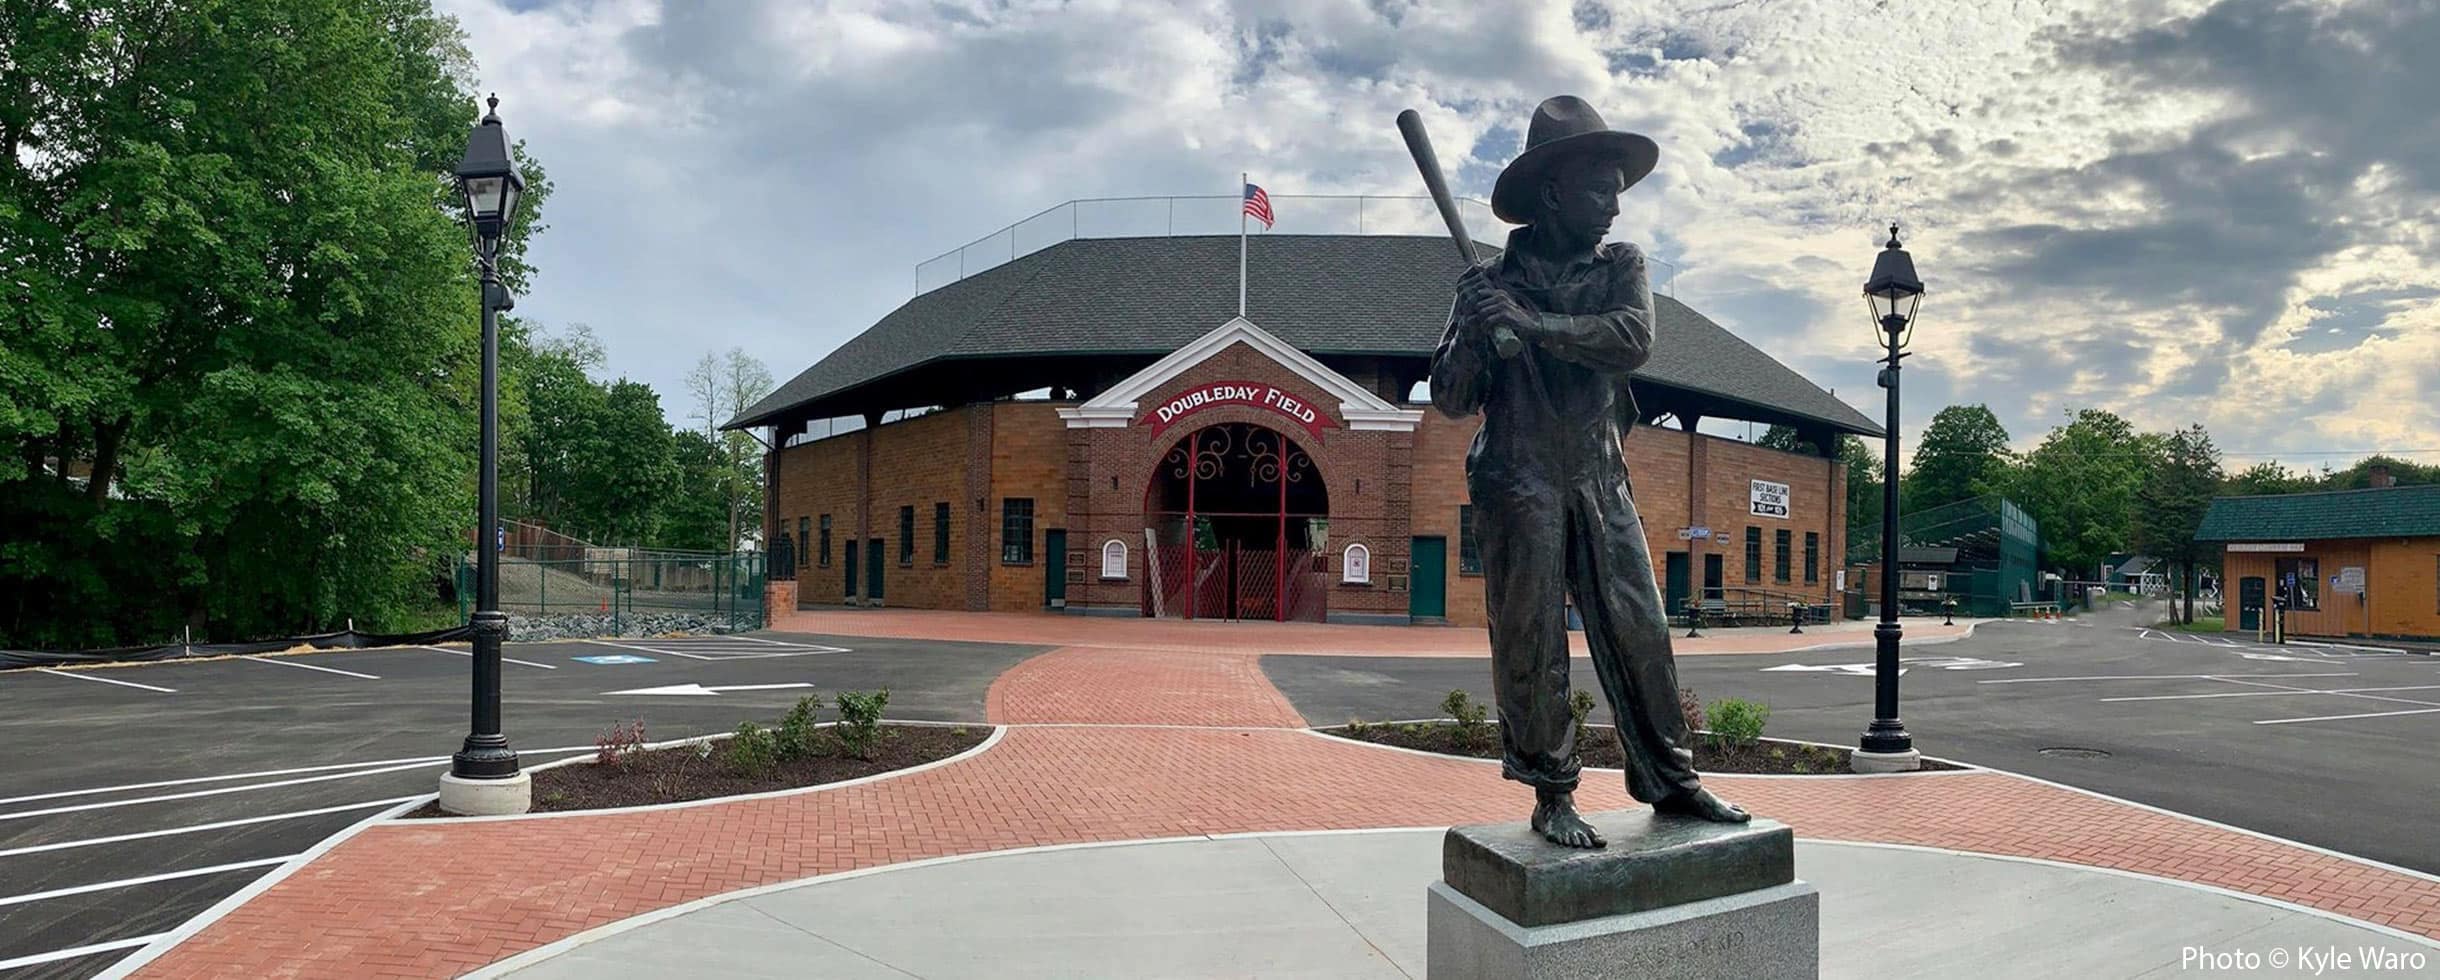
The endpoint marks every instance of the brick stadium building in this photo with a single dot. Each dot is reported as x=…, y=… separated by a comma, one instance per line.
x=1176, y=459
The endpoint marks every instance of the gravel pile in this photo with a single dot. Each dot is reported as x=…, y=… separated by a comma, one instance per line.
x=525, y=629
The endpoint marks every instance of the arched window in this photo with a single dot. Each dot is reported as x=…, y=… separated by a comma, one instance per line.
x=1114, y=559
x=1355, y=567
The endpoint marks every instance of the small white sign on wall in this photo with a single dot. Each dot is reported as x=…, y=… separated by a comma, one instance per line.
x=1842, y=581
x=1355, y=566
x=1770, y=499
x=1114, y=559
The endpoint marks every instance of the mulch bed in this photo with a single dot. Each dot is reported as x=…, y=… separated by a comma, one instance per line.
x=1600, y=749
x=683, y=773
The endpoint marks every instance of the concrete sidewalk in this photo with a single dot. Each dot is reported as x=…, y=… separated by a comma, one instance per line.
x=1351, y=905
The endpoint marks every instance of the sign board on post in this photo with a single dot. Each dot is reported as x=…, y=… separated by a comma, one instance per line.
x=2348, y=580
x=1770, y=499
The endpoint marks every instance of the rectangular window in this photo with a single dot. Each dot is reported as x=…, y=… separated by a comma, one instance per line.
x=940, y=533
x=1017, y=531
x=1469, y=555
x=804, y=541
x=825, y=552
x=1753, y=554
x=2300, y=582
x=1813, y=552
x=1780, y=557
x=906, y=535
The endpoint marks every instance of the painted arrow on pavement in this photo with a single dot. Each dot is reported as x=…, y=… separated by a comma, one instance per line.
x=700, y=690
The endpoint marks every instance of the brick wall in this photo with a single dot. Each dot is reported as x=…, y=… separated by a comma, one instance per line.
x=1028, y=459
x=817, y=478
x=921, y=465
x=1673, y=474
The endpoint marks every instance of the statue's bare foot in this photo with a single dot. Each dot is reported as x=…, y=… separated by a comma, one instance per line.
x=1554, y=815
x=1701, y=804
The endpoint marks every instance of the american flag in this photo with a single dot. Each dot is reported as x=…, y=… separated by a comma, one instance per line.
x=1258, y=204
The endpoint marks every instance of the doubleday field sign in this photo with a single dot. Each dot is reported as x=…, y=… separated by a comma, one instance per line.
x=1220, y=393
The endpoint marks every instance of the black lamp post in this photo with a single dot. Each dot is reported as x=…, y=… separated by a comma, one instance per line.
x=484, y=774
x=1893, y=291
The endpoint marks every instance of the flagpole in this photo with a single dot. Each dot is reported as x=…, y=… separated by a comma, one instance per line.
x=1242, y=177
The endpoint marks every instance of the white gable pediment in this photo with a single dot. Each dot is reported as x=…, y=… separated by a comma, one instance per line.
x=1118, y=407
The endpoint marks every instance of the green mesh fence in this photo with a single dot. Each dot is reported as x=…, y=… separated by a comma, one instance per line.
x=629, y=585
x=1996, y=567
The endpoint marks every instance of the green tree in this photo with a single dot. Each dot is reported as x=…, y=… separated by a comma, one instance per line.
x=2079, y=486
x=2266, y=478
x=692, y=518
x=723, y=387
x=237, y=321
x=1864, y=493
x=558, y=408
x=627, y=469
x=2170, y=502
x=1960, y=455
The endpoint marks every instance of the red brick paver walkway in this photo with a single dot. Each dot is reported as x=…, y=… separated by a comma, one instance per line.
x=1105, y=749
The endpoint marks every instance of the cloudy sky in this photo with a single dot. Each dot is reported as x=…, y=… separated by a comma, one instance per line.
x=2182, y=210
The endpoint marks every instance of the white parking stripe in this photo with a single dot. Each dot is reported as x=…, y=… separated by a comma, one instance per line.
x=105, y=680
x=102, y=886
x=56, y=955
x=2367, y=697
x=255, y=786
x=214, y=779
x=2151, y=677
x=2375, y=714
x=666, y=653
x=2270, y=694
x=222, y=825
x=470, y=654
x=326, y=670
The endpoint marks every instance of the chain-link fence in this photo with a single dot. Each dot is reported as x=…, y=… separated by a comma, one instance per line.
x=628, y=585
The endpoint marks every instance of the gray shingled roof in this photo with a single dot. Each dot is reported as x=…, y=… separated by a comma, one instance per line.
x=1327, y=294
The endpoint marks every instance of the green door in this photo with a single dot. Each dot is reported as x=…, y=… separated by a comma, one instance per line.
x=1055, y=568
x=851, y=568
x=1427, y=593
x=2249, y=603
x=1681, y=579
x=872, y=564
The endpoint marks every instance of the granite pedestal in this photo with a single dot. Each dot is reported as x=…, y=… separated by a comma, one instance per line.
x=1670, y=897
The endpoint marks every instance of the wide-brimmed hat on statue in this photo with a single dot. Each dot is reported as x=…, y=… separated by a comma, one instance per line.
x=1564, y=126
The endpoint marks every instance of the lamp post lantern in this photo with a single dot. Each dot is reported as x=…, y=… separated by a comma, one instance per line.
x=484, y=777
x=1892, y=292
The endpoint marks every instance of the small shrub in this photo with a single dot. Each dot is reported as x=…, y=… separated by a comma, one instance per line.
x=1471, y=731
x=620, y=742
x=1580, y=704
x=753, y=751
x=1356, y=728
x=800, y=730
x=959, y=731
x=1738, y=721
x=860, y=721
x=1691, y=707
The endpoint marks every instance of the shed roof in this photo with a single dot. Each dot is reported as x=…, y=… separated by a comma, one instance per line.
x=1378, y=295
x=2408, y=511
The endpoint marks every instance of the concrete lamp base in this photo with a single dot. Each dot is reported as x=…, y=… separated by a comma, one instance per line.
x=487, y=797
x=1870, y=762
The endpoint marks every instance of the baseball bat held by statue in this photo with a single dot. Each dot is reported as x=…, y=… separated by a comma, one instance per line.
x=1419, y=145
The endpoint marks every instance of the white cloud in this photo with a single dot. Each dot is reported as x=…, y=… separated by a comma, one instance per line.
x=768, y=174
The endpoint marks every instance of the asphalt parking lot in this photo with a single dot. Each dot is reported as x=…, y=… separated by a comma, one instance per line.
x=2327, y=746
x=138, y=796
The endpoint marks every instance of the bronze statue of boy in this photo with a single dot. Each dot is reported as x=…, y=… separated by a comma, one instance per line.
x=1552, y=511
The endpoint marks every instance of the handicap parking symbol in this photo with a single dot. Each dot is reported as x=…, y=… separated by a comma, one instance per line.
x=617, y=658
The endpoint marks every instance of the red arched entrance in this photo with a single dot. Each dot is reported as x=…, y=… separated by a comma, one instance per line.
x=1237, y=515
